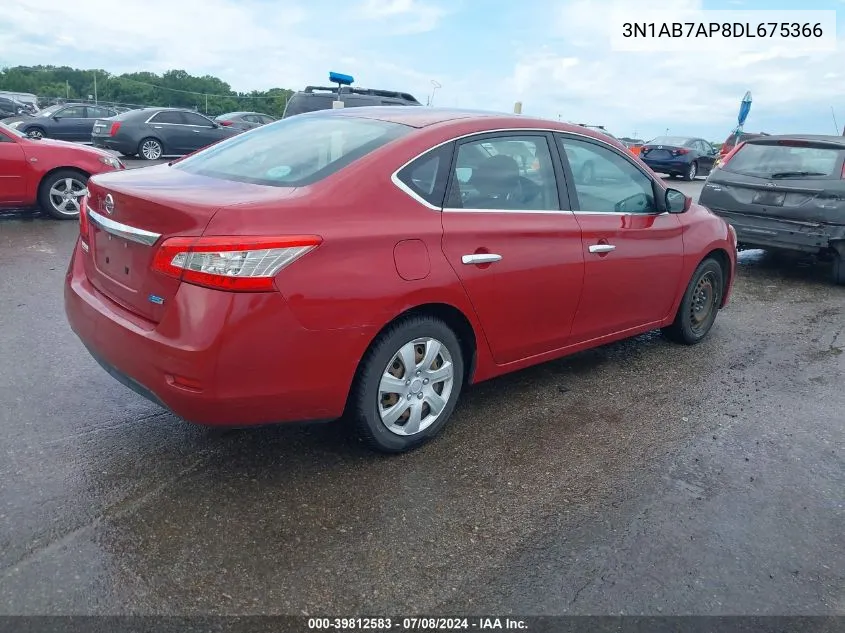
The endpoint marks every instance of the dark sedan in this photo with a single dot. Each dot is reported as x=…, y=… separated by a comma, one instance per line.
x=65, y=122
x=685, y=156
x=154, y=133
x=784, y=193
x=244, y=120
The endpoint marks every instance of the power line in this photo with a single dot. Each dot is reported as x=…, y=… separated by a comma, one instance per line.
x=193, y=92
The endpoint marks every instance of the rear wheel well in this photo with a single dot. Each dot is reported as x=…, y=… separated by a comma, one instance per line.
x=451, y=316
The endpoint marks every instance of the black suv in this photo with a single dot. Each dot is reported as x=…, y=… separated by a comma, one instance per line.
x=320, y=98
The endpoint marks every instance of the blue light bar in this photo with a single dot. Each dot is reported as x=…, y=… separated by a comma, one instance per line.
x=339, y=78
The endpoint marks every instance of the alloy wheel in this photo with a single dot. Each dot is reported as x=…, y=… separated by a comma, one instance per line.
x=65, y=194
x=151, y=150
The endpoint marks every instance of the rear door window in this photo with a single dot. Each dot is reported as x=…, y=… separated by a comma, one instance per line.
x=169, y=117
x=787, y=161
x=189, y=118
x=297, y=152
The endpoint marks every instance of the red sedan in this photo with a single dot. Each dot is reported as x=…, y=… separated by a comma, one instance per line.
x=47, y=173
x=373, y=261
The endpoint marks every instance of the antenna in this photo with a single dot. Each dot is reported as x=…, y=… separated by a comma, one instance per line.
x=835, y=124
x=435, y=85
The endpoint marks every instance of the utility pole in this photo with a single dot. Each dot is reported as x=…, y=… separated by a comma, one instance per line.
x=67, y=89
x=95, y=87
x=206, y=104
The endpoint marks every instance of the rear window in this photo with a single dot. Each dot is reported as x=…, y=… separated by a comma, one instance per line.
x=302, y=103
x=293, y=152
x=676, y=141
x=786, y=161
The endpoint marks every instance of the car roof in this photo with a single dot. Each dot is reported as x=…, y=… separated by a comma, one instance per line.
x=825, y=138
x=427, y=116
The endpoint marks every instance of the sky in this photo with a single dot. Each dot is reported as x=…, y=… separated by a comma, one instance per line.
x=555, y=56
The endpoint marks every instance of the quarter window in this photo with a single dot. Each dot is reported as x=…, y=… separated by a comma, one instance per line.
x=511, y=173
x=605, y=182
x=426, y=176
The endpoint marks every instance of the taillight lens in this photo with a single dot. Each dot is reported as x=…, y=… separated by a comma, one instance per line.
x=679, y=152
x=731, y=154
x=245, y=264
x=114, y=128
x=83, y=221
x=225, y=123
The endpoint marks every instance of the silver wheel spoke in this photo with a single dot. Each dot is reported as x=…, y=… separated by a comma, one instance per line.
x=408, y=356
x=392, y=414
x=391, y=384
x=413, y=424
x=435, y=402
x=432, y=349
x=440, y=374
x=75, y=204
x=63, y=205
x=55, y=192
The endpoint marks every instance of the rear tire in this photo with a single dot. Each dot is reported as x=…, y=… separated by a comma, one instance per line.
x=57, y=193
x=389, y=400
x=35, y=132
x=150, y=149
x=839, y=269
x=692, y=172
x=699, y=305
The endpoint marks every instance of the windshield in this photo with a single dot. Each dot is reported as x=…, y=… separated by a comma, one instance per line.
x=12, y=131
x=293, y=152
x=785, y=161
x=50, y=111
x=677, y=141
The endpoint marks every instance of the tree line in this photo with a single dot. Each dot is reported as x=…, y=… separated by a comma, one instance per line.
x=174, y=88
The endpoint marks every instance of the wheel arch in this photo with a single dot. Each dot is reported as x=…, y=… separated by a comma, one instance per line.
x=721, y=256
x=52, y=171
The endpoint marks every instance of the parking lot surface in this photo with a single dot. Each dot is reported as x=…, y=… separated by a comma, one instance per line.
x=641, y=477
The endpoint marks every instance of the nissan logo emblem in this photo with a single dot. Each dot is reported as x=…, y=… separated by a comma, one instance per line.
x=108, y=204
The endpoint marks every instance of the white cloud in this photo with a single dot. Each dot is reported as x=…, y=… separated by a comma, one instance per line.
x=403, y=17
x=583, y=80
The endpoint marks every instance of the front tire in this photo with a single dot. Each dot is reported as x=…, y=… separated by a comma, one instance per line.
x=692, y=172
x=59, y=193
x=700, y=304
x=408, y=385
x=150, y=149
x=35, y=132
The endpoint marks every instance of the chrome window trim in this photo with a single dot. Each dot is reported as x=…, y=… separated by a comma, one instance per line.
x=394, y=177
x=140, y=236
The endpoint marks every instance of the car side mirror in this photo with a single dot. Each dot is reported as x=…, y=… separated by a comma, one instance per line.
x=677, y=201
x=57, y=118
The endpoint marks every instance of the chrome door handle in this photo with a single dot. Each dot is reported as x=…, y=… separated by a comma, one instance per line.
x=481, y=258
x=602, y=248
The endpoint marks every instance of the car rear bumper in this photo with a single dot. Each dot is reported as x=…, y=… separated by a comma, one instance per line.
x=107, y=142
x=218, y=358
x=666, y=166
x=779, y=233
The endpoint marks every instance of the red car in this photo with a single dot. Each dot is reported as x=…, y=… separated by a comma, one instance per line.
x=373, y=261
x=47, y=173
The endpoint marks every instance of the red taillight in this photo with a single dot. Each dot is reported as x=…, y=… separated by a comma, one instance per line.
x=225, y=123
x=83, y=221
x=679, y=152
x=114, y=128
x=731, y=154
x=245, y=264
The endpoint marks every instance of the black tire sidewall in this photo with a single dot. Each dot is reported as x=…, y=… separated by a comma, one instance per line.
x=36, y=129
x=683, y=323
x=839, y=269
x=44, y=192
x=689, y=176
x=366, y=390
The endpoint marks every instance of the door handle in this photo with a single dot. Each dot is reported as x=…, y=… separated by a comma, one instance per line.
x=602, y=248
x=480, y=258
x=196, y=131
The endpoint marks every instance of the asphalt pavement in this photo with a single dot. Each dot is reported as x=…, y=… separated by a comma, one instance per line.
x=641, y=477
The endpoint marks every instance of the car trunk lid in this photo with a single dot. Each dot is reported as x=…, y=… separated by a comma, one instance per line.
x=131, y=215
x=662, y=152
